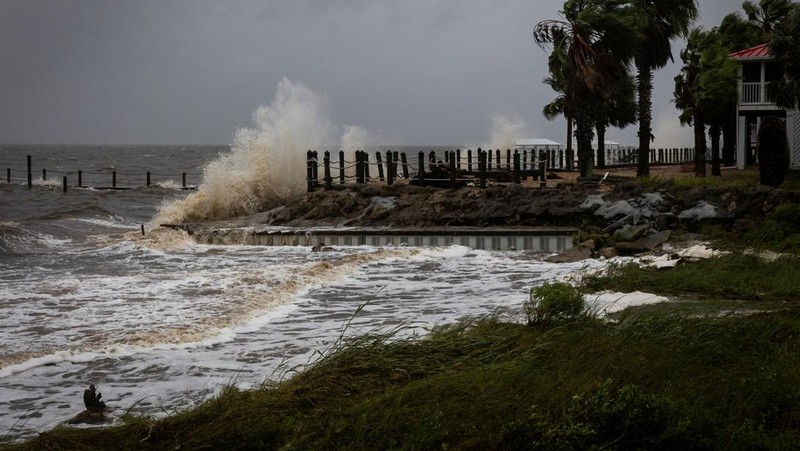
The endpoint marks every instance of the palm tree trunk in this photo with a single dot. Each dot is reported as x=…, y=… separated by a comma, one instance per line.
x=601, y=145
x=699, y=146
x=715, y=131
x=584, y=133
x=645, y=86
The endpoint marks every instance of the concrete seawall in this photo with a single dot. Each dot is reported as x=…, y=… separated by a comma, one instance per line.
x=552, y=239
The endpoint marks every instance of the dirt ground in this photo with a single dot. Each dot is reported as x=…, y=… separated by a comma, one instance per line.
x=666, y=172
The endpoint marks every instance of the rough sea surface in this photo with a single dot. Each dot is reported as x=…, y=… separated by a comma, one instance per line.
x=159, y=323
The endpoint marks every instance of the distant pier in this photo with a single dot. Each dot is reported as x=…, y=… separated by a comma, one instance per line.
x=548, y=239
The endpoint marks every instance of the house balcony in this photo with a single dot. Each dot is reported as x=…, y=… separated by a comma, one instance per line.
x=754, y=93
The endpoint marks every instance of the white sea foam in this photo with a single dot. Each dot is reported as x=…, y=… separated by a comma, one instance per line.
x=610, y=302
x=178, y=324
x=112, y=222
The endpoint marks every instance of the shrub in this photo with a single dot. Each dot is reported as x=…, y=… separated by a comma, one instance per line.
x=554, y=301
x=773, y=151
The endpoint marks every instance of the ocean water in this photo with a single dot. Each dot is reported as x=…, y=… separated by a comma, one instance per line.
x=159, y=323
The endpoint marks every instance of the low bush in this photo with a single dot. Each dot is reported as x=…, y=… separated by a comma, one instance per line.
x=553, y=302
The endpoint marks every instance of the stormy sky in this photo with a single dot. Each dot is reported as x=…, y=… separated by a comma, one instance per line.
x=414, y=72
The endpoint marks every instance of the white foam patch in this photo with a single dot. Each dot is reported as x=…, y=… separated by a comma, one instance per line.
x=610, y=302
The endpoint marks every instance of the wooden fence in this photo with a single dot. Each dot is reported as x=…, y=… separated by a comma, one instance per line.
x=106, y=180
x=457, y=168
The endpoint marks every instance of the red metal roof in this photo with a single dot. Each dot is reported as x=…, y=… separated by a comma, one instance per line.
x=757, y=52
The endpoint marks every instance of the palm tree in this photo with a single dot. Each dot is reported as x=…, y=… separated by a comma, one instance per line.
x=737, y=33
x=783, y=45
x=618, y=111
x=704, y=91
x=656, y=23
x=766, y=14
x=590, y=50
x=558, y=106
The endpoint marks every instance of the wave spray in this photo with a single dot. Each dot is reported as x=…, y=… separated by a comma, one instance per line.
x=266, y=164
x=505, y=131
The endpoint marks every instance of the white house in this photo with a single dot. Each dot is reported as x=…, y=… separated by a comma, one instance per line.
x=757, y=69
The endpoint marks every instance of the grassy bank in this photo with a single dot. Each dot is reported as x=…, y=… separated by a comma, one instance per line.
x=681, y=378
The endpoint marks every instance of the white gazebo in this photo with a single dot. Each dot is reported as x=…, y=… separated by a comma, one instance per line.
x=537, y=144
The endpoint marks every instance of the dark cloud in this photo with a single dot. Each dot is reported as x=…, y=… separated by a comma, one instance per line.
x=175, y=71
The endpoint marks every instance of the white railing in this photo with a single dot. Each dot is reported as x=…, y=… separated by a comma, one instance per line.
x=752, y=93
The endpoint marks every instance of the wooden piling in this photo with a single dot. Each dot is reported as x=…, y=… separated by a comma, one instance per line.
x=380, y=166
x=395, y=164
x=309, y=172
x=469, y=160
x=314, y=167
x=421, y=172
x=30, y=174
x=341, y=167
x=327, y=162
x=482, y=167
x=365, y=162
x=44, y=174
x=148, y=178
x=458, y=158
x=64, y=184
x=80, y=179
x=389, y=168
x=114, y=179
x=142, y=229
x=8, y=175
x=516, y=167
x=359, y=167
x=508, y=159
x=183, y=177
x=404, y=162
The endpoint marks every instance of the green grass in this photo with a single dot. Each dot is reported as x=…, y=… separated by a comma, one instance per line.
x=735, y=276
x=656, y=381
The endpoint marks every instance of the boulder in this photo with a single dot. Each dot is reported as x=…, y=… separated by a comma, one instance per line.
x=643, y=244
x=577, y=253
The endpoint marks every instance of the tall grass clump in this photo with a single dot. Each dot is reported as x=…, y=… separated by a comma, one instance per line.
x=556, y=301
